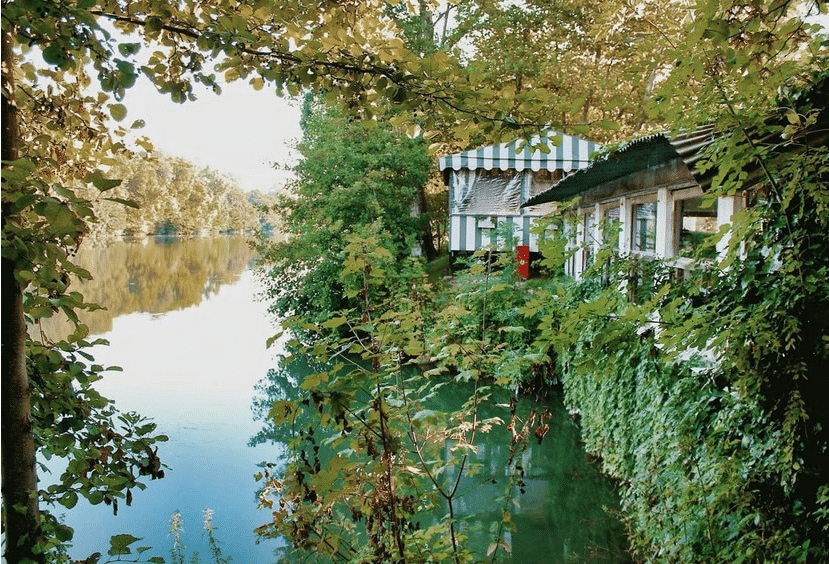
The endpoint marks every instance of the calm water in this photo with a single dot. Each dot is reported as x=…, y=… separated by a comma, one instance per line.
x=184, y=325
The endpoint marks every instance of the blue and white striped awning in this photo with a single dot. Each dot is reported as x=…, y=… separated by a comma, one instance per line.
x=565, y=152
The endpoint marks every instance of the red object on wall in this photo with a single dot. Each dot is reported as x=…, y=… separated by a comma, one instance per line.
x=523, y=257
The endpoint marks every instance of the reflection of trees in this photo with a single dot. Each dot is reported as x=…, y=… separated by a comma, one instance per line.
x=561, y=498
x=155, y=276
x=281, y=383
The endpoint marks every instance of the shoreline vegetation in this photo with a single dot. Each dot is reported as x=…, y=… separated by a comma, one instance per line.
x=160, y=195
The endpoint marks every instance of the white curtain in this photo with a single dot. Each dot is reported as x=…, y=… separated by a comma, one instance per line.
x=478, y=192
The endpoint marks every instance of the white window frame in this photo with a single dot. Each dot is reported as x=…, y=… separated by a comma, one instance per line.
x=632, y=202
x=605, y=207
x=668, y=223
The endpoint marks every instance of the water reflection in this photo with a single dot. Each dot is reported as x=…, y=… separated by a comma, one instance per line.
x=192, y=370
x=560, y=504
x=154, y=275
x=558, y=501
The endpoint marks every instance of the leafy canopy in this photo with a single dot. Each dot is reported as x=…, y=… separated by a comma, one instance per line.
x=351, y=181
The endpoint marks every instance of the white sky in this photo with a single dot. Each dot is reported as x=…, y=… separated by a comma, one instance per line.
x=240, y=132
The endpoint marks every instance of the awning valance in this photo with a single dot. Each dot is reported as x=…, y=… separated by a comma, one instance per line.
x=565, y=153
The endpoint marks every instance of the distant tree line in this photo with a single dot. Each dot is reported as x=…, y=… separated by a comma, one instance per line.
x=169, y=195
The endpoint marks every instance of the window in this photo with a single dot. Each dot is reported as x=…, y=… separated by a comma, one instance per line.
x=644, y=228
x=482, y=192
x=695, y=225
x=612, y=224
x=589, y=237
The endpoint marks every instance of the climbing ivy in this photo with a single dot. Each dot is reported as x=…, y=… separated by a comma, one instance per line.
x=702, y=396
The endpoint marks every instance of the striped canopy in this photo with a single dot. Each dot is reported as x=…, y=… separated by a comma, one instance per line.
x=565, y=152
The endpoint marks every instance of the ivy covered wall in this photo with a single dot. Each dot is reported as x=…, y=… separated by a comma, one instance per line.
x=705, y=397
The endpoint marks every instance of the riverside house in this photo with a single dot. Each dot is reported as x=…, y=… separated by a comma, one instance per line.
x=648, y=193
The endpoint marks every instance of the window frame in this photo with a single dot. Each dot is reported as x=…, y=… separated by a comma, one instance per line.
x=651, y=198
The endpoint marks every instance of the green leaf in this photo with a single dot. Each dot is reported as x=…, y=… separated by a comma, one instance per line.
x=120, y=544
x=61, y=219
x=69, y=499
x=272, y=339
x=122, y=201
x=101, y=183
x=55, y=55
x=153, y=24
x=118, y=111
x=65, y=534
x=127, y=49
x=334, y=322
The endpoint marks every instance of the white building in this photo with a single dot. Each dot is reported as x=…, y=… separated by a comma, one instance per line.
x=647, y=193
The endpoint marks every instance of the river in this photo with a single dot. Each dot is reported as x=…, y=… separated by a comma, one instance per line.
x=185, y=325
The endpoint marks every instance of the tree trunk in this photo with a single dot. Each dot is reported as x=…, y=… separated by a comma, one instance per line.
x=427, y=240
x=20, y=505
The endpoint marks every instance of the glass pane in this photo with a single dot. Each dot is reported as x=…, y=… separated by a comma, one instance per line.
x=612, y=224
x=644, y=227
x=488, y=193
x=589, y=231
x=589, y=236
x=698, y=224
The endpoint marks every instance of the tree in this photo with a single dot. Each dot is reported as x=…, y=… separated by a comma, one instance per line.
x=352, y=180
x=56, y=135
x=717, y=435
x=711, y=383
x=717, y=461
x=375, y=457
x=532, y=48
x=173, y=195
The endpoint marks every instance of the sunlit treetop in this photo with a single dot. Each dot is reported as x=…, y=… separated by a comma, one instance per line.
x=466, y=73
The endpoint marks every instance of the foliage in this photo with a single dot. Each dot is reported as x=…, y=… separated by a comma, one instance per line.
x=718, y=435
x=727, y=65
x=525, y=55
x=485, y=304
x=352, y=180
x=121, y=547
x=174, y=197
x=372, y=452
x=106, y=453
x=701, y=397
x=711, y=384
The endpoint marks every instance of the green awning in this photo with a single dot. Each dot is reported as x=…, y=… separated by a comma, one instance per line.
x=634, y=156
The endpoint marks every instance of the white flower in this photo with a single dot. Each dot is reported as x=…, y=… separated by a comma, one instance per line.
x=208, y=519
x=176, y=526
